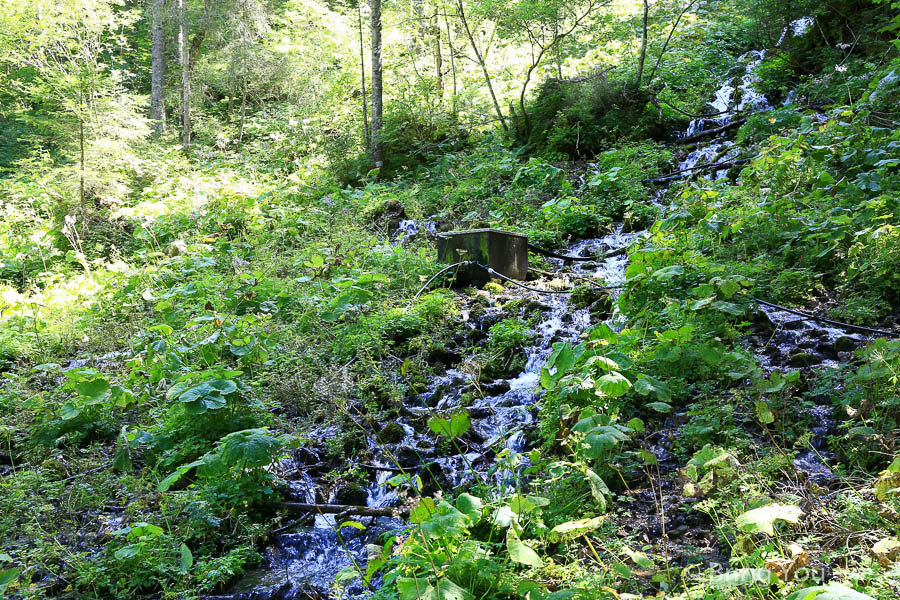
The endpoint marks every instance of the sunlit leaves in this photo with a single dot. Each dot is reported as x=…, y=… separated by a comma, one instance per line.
x=763, y=519
x=456, y=425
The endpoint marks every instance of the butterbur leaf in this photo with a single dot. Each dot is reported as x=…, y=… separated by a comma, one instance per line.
x=742, y=577
x=415, y=588
x=470, y=506
x=574, y=529
x=521, y=553
x=126, y=552
x=521, y=505
x=764, y=413
x=504, y=517
x=69, y=411
x=186, y=559
x=832, y=591
x=763, y=519
x=422, y=511
x=599, y=489
x=639, y=558
x=142, y=529
x=613, y=384
x=649, y=385
x=447, y=590
x=93, y=389
x=728, y=307
x=7, y=576
x=250, y=448
x=660, y=407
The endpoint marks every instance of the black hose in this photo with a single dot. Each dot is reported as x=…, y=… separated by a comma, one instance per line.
x=552, y=254
x=813, y=317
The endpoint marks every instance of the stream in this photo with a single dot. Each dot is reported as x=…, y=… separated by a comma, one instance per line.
x=302, y=562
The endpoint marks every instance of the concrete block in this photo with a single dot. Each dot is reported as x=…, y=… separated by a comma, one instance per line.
x=504, y=251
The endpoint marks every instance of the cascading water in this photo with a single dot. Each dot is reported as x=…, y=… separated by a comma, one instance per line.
x=303, y=564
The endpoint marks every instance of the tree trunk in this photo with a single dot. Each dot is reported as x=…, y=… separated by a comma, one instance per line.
x=487, y=76
x=362, y=73
x=158, y=67
x=640, y=73
x=438, y=57
x=452, y=61
x=243, y=112
x=347, y=509
x=81, y=163
x=184, y=62
x=377, y=143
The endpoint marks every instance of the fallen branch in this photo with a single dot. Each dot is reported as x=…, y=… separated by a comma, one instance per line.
x=347, y=509
x=711, y=165
x=812, y=317
x=88, y=472
x=710, y=132
x=371, y=467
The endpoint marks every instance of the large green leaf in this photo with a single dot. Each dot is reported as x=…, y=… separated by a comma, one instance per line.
x=601, y=439
x=209, y=395
x=763, y=519
x=250, y=448
x=470, y=506
x=420, y=588
x=7, y=576
x=574, y=529
x=613, y=384
x=832, y=591
x=521, y=553
x=648, y=385
x=94, y=389
x=741, y=577
x=599, y=490
x=455, y=426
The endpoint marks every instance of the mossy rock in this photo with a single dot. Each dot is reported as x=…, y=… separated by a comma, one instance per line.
x=392, y=433
x=493, y=287
x=588, y=296
x=804, y=359
x=351, y=493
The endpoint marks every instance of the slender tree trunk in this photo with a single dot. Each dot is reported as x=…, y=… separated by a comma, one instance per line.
x=230, y=97
x=377, y=143
x=243, y=112
x=640, y=73
x=184, y=60
x=362, y=73
x=487, y=76
x=452, y=61
x=438, y=56
x=81, y=163
x=158, y=67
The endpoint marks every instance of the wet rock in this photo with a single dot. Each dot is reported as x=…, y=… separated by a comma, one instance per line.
x=443, y=357
x=392, y=433
x=804, y=359
x=351, y=493
x=792, y=325
x=762, y=319
x=435, y=477
x=388, y=214
x=584, y=296
x=407, y=456
x=601, y=309
x=846, y=343
x=306, y=456
x=495, y=388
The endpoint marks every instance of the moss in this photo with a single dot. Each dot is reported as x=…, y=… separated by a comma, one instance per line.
x=493, y=287
x=392, y=433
